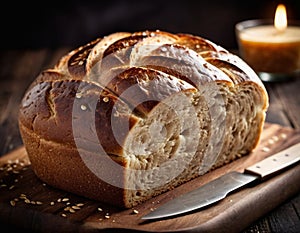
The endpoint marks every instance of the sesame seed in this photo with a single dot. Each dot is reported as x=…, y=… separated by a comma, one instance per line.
x=65, y=199
x=64, y=215
x=265, y=149
x=59, y=200
x=283, y=135
x=83, y=107
x=11, y=187
x=271, y=141
x=80, y=63
x=67, y=208
x=163, y=49
x=12, y=203
x=52, y=203
x=135, y=211
x=32, y=202
x=78, y=95
x=71, y=210
x=75, y=207
x=99, y=209
x=105, y=99
x=27, y=201
x=79, y=204
x=107, y=216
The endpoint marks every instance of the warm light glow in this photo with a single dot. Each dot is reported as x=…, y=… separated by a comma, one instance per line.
x=280, y=21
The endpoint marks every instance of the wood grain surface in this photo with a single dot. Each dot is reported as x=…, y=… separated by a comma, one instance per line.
x=29, y=203
x=20, y=67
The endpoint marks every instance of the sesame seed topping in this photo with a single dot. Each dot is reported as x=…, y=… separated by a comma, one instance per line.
x=265, y=149
x=83, y=107
x=271, y=141
x=64, y=215
x=12, y=203
x=163, y=49
x=283, y=135
x=52, y=203
x=80, y=63
x=99, y=209
x=78, y=95
x=65, y=199
x=105, y=99
x=107, y=216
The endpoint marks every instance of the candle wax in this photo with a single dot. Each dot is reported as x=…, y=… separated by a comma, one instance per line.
x=270, y=34
x=268, y=50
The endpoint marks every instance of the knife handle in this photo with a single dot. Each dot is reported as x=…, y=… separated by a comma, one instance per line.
x=276, y=162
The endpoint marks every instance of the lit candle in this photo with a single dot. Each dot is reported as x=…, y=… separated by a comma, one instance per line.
x=271, y=48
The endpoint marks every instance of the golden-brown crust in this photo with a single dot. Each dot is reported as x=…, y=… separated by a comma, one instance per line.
x=72, y=107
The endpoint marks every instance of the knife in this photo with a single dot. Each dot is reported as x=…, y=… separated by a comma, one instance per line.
x=219, y=188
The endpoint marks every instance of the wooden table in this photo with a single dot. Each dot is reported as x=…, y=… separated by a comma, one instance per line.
x=20, y=67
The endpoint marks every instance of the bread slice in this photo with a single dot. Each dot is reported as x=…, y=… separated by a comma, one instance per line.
x=128, y=117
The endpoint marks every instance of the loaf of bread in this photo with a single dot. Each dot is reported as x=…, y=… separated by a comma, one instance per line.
x=129, y=116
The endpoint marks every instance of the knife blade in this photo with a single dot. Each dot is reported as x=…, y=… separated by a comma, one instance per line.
x=219, y=188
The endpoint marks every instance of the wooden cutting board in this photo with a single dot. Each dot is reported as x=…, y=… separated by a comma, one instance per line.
x=27, y=202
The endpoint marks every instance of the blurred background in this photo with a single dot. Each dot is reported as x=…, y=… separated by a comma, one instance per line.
x=54, y=24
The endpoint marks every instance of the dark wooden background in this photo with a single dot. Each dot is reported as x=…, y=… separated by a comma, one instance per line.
x=45, y=31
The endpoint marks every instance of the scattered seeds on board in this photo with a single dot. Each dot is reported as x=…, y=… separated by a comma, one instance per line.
x=12, y=203
x=135, y=211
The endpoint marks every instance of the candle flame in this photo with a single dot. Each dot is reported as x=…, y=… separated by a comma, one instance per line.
x=280, y=21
